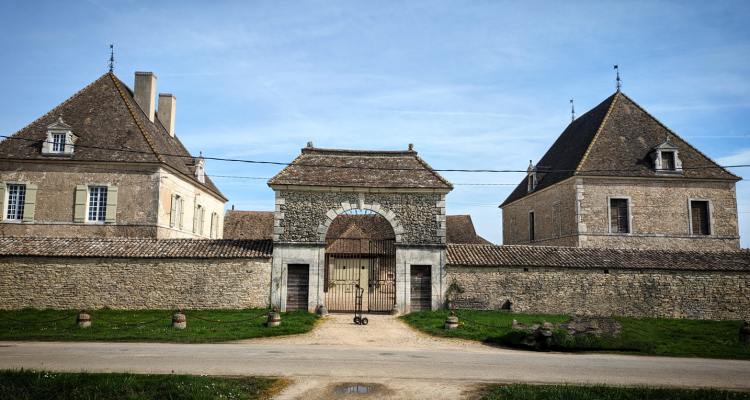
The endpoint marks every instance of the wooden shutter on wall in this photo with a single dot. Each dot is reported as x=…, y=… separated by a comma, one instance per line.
x=531, y=227
x=203, y=220
x=196, y=211
x=79, y=214
x=111, y=212
x=29, y=206
x=700, y=218
x=2, y=202
x=182, y=211
x=172, y=213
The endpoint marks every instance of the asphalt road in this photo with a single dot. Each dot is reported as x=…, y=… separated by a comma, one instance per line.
x=345, y=362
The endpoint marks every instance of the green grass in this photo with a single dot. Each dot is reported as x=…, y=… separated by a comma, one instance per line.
x=598, y=392
x=48, y=385
x=197, y=331
x=637, y=336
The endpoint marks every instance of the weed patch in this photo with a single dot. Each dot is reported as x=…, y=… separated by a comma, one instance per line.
x=598, y=392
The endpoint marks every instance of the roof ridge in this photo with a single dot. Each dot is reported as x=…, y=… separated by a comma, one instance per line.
x=433, y=172
x=680, y=137
x=135, y=117
x=56, y=107
x=596, y=136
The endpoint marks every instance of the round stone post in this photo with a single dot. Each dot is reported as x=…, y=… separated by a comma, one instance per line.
x=274, y=319
x=178, y=320
x=745, y=333
x=322, y=310
x=452, y=321
x=83, y=319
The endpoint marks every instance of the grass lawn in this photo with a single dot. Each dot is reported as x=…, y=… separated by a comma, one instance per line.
x=197, y=331
x=561, y=392
x=16, y=384
x=637, y=336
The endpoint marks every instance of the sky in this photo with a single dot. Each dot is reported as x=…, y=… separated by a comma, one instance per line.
x=473, y=85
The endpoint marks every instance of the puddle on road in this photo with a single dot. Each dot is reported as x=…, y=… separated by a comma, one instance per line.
x=353, y=389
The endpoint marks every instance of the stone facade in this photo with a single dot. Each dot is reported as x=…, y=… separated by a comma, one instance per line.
x=132, y=283
x=575, y=212
x=143, y=201
x=304, y=216
x=655, y=293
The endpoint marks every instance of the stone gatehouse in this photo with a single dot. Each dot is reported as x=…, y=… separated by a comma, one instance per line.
x=323, y=184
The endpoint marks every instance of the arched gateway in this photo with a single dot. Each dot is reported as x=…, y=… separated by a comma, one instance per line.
x=314, y=231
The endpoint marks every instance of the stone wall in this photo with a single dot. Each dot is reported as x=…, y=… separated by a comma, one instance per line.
x=304, y=216
x=663, y=293
x=141, y=283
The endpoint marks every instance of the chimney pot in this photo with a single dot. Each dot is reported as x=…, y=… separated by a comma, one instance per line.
x=167, y=103
x=145, y=92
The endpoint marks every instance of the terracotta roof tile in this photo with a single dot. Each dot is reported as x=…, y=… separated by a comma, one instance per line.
x=136, y=248
x=575, y=257
x=460, y=229
x=248, y=225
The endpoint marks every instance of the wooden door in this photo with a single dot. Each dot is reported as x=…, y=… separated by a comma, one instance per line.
x=297, y=283
x=421, y=288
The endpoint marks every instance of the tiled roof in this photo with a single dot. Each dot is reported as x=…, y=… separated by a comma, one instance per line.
x=135, y=248
x=360, y=168
x=616, y=138
x=374, y=226
x=104, y=116
x=575, y=257
x=460, y=229
x=248, y=225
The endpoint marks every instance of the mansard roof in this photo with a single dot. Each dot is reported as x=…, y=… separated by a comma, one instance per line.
x=104, y=116
x=616, y=138
x=136, y=248
x=576, y=257
x=361, y=169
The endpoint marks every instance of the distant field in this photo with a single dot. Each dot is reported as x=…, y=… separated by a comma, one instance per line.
x=597, y=392
x=197, y=331
x=638, y=336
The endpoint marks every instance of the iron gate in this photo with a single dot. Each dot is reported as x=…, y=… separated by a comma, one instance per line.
x=369, y=263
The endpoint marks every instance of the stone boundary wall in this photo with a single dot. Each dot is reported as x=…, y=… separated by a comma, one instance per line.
x=663, y=293
x=134, y=283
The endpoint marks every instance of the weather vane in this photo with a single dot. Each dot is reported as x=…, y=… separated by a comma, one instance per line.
x=572, y=111
x=112, y=57
x=617, y=81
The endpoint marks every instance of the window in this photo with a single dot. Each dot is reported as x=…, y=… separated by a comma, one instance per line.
x=97, y=204
x=531, y=227
x=699, y=218
x=58, y=143
x=667, y=161
x=214, y=225
x=200, y=219
x=532, y=180
x=16, y=201
x=618, y=216
x=178, y=206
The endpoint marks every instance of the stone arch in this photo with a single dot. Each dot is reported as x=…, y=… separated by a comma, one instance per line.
x=389, y=215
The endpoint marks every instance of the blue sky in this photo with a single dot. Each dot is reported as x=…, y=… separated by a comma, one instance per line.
x=474, y=85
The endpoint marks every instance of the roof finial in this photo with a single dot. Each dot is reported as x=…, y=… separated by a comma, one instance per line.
x=617, y=81
x=572, y=111
x=201, y=154
x=411, y=146
x=309, y=144
x=111, y=57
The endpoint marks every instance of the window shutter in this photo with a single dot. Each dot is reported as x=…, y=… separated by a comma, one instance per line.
x=30, y=203
x=111, y=212
x=195, y=216
x=699, y=215
x=80, y=204
x=182, y=210
x=203, y=220
x=2, y=201
x=622, y=211
x=172, y=214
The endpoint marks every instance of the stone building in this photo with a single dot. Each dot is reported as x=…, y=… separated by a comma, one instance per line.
x=107, y=163
x=618, y=178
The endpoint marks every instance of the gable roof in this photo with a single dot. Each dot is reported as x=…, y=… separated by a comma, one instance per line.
x=104, y=116
x=616, y=138
x=360, y=168
x=460, y=229
x=577, y=257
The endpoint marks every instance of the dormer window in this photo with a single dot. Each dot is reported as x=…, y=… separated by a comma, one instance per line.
x=532, y=180
x=200, y=164
x=666, y=160
x=59, y=141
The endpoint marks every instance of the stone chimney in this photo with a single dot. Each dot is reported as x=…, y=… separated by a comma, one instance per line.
x=145, y=92
x=167, y=104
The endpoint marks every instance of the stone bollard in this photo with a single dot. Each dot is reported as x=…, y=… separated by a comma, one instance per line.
x=395, y=312
x=274, y=319
x=322, y=310
x=178, y=320
x=452, y=321
x=83, y=319
x=745, y=333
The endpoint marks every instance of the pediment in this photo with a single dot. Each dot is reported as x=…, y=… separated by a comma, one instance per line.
x=59, y=125
x=666, y=145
